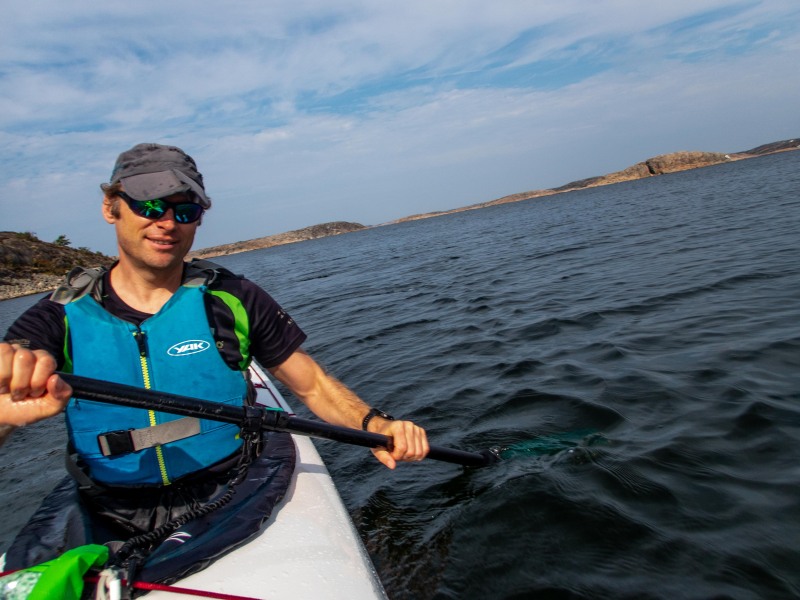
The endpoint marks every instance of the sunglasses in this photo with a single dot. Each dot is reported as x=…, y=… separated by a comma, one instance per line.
x=185, y=212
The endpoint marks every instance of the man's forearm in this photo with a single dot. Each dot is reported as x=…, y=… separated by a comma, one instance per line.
x=335, y=403
x=323, y=394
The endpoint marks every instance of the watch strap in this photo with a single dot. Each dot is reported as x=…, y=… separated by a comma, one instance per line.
x=374, y=412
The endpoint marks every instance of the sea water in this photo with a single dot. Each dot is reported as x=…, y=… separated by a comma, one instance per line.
x=633, y=350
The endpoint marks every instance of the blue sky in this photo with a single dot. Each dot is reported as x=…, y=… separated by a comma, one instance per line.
x=313, y=111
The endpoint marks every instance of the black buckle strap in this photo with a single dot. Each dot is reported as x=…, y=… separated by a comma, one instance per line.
x=251, y=422
x=114, y=443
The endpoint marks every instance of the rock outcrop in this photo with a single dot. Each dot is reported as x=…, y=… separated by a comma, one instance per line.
x=771, y=148
x=290, y=237
x=29, y=266
x=658, y=165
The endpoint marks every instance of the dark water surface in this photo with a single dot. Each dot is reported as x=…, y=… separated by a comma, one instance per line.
x=634, y=348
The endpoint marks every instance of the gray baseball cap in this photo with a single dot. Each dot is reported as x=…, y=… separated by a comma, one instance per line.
x=149, y=171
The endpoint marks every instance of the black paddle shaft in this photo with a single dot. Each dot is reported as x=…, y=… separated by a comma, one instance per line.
x=270, y=420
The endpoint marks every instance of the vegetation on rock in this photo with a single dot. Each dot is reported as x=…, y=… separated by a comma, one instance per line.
x=29, y=265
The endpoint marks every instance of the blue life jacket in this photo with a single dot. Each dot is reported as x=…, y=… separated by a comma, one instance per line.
x=173, y=351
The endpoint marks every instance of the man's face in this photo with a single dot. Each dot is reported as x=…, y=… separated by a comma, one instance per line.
x=157, y=244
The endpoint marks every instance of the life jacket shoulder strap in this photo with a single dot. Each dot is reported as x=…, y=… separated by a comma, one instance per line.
x=205, y=272
x=79, y=282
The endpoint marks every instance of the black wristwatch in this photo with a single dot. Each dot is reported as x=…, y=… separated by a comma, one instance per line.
x=374, y=412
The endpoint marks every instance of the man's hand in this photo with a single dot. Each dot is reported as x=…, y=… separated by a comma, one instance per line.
x=409, y=441
x=29, y=389
x=332, y=401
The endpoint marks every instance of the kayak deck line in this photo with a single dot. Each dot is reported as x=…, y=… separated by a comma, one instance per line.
x=174, y=589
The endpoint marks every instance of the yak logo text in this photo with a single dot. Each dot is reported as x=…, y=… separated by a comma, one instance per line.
x=188, y=347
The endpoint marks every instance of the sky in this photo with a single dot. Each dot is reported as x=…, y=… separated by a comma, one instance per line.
x=310, y=111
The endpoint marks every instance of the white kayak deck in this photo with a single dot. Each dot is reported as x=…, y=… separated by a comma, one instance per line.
x=309, y=548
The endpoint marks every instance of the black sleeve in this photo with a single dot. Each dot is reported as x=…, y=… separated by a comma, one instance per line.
x=274, y=335
x=41, y=327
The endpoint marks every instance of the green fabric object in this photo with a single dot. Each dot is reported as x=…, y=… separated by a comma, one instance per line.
x=241, y=324
x=61, y=577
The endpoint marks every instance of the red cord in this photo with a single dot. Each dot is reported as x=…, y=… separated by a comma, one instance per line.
x=150, y=587
x=145, y=585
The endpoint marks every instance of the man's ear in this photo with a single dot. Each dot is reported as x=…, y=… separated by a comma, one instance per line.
x=110, y=212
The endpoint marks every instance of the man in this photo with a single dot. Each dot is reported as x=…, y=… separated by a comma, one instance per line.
x=117, y=325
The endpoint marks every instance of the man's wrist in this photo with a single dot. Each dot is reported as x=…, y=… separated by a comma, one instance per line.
x=374, y=412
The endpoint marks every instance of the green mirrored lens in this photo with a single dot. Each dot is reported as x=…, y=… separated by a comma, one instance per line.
x=152, y=209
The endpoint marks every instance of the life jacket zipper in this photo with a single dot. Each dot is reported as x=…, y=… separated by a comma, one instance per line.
x=141, y=341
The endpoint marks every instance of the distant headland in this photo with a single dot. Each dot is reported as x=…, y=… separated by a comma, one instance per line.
x=290, y=237
x=658, y=165
x=29, y=265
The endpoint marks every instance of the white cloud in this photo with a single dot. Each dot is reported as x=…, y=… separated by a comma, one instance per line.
x=304, y=112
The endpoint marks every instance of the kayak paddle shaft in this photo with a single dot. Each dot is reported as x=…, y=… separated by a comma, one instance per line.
x=269, y=420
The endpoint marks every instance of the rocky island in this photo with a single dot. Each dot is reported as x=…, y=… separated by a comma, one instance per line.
x=658, y=165
x=290, y=237
x=29, y=265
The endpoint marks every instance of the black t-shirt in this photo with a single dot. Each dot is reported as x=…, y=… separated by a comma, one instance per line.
x=274, y=335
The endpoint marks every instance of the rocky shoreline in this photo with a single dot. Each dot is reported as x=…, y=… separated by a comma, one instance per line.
x=652, y=167
x=31, y=266
x=37, y=283
x=290, y=237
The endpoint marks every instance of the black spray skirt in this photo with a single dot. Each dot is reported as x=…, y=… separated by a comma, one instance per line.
x=66, y=520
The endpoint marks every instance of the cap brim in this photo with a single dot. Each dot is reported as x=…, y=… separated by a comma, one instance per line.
x=164, y=183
